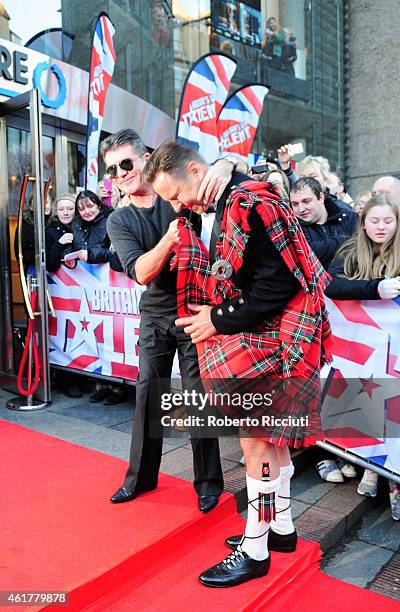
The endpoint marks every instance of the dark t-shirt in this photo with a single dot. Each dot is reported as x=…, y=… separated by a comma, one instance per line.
x=133, y=232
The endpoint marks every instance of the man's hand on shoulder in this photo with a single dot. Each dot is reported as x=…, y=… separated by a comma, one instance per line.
x=217, y=178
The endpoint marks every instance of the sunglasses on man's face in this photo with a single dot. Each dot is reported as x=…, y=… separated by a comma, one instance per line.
x=125, y=164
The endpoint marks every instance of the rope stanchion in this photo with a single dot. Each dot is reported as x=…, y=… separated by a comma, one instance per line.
x=30, y=356
x=30, y=353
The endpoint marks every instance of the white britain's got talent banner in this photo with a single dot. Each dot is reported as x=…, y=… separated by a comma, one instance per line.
x=96, y=327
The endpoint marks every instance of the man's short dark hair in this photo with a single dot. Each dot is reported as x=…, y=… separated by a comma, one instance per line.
x=171, y=157
x=123, y=137
x=304, y=182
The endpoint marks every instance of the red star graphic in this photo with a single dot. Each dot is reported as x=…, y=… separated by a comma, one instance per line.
x=368, y=385
x=85, y=325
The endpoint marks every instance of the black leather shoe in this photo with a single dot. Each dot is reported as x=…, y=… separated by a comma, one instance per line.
x=99, y=395
x=207, y=502
x=114, y=398
x=123, y=495
x=237, y=568
x=278, y=543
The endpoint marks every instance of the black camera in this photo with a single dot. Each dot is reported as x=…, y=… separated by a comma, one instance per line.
x=260, y=168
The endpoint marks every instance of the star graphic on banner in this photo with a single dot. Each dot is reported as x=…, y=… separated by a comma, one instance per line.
x=85, y=325
x=368, y=386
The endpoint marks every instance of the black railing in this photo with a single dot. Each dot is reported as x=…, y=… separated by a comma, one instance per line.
x=279, y=82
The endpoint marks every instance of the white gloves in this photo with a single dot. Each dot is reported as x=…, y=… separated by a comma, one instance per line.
x=389, y=288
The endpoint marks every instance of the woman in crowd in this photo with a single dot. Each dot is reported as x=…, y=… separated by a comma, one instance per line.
x=108, y=192
x=58, y=232
x=273, y=43
x=360, y=201
x=58, y=242
x=89, y=228
x=367, y=267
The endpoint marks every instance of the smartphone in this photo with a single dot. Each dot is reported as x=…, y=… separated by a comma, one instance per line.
x=107, y=184
x=296, y=149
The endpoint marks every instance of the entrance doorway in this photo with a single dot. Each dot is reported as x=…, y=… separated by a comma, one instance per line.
x=28, y=153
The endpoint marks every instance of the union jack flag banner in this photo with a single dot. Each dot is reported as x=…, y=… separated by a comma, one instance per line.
x=361, y=408
x=96, y=327
x=101, y=71
x=238, y=120
x=204, y=93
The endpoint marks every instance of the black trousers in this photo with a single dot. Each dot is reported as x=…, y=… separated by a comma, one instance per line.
x=159, y=339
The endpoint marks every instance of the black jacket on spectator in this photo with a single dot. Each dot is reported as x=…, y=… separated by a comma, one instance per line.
x=92, y=236
x=342, y=288
x=55, y=250
x=326, y=238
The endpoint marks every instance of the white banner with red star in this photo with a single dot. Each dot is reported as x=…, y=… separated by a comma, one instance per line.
x=361, y=406
x=96, y=327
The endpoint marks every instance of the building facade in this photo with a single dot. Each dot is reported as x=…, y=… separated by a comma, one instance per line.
x=372, y=128
x=157, y=42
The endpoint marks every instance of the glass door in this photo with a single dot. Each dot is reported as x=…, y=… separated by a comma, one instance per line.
x=29, y=154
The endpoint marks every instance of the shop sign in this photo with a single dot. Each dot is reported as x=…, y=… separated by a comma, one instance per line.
x=22, y=68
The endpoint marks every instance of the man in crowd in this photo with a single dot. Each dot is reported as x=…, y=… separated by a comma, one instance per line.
x=325, y=225
x=389, y=184
x=315, y=167
x=268, y=265
x=142, y=232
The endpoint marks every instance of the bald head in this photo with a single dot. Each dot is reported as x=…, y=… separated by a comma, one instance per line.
x=390, y=184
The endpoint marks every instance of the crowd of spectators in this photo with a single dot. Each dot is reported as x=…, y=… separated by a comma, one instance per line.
x=357, y=242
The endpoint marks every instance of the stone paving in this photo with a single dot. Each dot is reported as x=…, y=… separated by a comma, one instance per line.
x=361, y=542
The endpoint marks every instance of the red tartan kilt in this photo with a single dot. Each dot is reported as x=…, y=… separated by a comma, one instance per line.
x=243, y=355
x=255, y=363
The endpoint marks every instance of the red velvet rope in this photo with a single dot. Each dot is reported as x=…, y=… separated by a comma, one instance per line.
x=31, y=386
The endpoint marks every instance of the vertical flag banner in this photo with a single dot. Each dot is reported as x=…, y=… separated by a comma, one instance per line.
x=204, y=93
x=101, y=71
x=238, y=120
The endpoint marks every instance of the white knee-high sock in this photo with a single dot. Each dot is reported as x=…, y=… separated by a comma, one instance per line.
x=283, y=523
x=255, y=541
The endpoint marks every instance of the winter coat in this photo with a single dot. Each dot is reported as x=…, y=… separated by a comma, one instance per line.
x=54, y=249
x=342, y=288
x=92, y=236
x=326, y=238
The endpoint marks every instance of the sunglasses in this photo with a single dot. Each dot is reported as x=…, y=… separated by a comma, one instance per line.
x=124, y=164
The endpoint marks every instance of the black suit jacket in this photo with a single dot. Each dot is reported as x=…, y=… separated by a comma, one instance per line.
x=266, y=282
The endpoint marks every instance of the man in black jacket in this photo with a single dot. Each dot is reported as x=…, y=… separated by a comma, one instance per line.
x=142, y=233
x=325, y=225
x=250, y=248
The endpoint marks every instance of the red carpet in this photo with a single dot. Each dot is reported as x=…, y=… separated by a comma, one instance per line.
x=62, y=534
x=325, y=593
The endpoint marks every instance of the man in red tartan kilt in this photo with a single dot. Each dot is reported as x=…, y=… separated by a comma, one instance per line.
x=250, y=294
